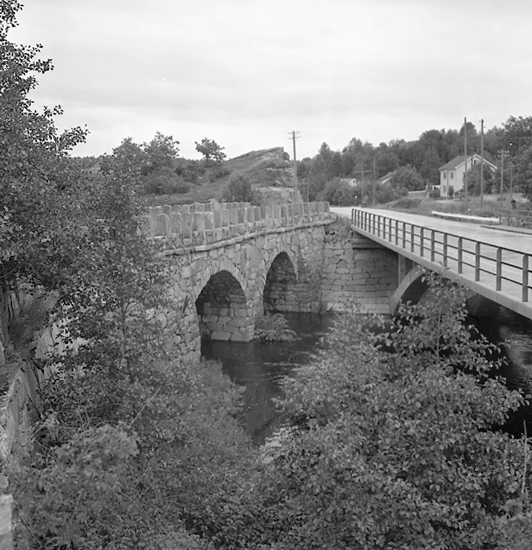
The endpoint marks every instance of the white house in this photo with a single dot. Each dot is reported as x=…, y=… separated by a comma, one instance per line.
x=452, y=173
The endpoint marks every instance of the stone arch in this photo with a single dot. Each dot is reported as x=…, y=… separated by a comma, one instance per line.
x=222, y=309
x=279, y=286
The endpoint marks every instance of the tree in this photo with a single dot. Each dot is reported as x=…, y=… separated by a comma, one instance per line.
x=473, y=180
x=210, y=150
x=397, y=450
x=407, y=177
x=128, y=443
x=35, y=177
x=161, y=152
x=518, y=134
x=523, y=171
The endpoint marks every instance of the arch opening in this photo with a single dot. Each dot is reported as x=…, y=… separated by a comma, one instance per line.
x=222, y=310
x=280, y=288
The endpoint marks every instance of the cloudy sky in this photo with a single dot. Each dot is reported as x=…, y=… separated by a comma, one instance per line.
x=247, y=72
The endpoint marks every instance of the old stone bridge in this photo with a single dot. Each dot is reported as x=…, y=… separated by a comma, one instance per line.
x=230, y=263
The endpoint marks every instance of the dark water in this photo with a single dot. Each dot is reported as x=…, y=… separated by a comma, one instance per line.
x=260, y=367
x=513, y=333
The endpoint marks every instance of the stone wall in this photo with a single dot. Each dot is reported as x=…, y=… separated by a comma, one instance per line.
x=204, y=224
x=231, y=283
x=357, y=270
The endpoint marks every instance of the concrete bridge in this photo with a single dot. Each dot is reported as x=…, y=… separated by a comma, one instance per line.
x=493, y=263
x=230, y=263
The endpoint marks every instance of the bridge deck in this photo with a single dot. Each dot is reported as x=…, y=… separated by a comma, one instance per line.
x=493, y=263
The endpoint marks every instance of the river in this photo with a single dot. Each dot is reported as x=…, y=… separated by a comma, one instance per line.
x=259, y=367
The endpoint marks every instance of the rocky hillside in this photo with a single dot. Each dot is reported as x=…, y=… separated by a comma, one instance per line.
x=269, y=170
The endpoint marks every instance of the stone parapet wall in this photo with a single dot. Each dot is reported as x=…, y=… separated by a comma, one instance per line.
x=357, y=272
x=203, y=224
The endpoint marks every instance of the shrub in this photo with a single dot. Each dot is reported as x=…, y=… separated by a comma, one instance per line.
x=239, y=189
x=165, y=182
x=398, y=450
x=272, y=328
x=217, y=172
x=338, y=193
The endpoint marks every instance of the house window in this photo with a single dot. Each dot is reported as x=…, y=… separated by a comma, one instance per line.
x=445, y=175
x=452, y=175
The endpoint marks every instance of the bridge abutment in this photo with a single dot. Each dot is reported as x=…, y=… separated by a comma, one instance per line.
x=357, y=271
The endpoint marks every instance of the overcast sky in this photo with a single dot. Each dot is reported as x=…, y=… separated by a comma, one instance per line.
x=247, y=72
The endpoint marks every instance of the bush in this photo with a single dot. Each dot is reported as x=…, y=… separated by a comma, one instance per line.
x=274, y=328
x=217, y=172
x=239, y=189
x=338, y=193
x=165, y=182
x=398, y=450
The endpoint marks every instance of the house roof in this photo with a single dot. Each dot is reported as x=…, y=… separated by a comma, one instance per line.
x=457, y=161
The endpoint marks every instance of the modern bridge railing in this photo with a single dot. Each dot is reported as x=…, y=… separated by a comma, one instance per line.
x=203, y=224
x=501, y=266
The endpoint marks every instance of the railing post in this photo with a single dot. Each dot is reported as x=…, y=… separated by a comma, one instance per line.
x=498, y=276
x=477, y=261
x=432, y=245
x=445, y=250
x=404, y=234
x=421, y=243
x=396, y=232
x=411, y=238
x=460, y=254
x=525, y=278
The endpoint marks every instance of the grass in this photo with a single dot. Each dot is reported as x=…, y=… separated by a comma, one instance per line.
x=490, y=208
x=264, y=168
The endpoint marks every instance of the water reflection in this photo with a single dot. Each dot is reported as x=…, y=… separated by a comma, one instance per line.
x=260, y=367
x=513, y=333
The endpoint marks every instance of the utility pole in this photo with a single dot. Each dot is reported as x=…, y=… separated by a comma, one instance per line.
x=502, y=154
x=295, y=135
x=481, y=163
x=465, y=166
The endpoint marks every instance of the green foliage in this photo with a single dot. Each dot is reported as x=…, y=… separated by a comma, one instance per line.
x=407, y=177
x=274, y=328
x=128, y=441
x=161, y=152
x=217, y=172
x=239, y=189
x=165, y=182
x=397, y=450
x=523, y=171
x=338, y=193
x=473, y=180
x=211, y=151
x=380, y=193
